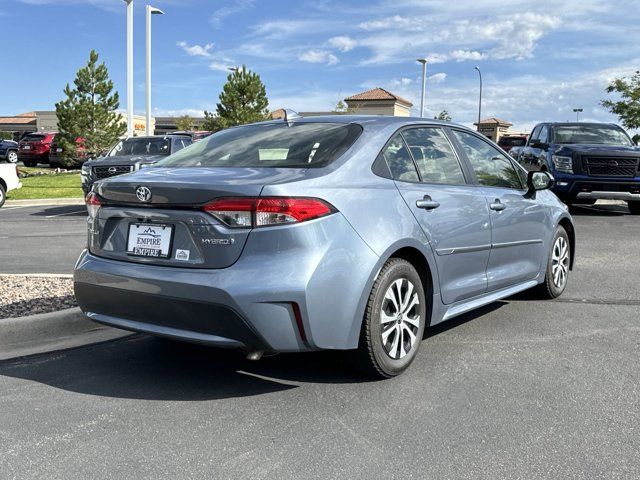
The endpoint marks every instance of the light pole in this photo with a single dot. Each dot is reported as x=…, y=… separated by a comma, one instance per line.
x=577, y=111
x=479, y=97
x=150, y=11
x=423, y=61
x=129, y=67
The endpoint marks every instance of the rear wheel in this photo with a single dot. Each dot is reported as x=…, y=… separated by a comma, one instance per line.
x=394, y=321
x=3, y=195
x=559, y=260
x=12, y=156
x=634, y=207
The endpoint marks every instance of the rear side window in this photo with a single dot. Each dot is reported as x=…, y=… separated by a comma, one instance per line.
x=33, y=138
x=297, y=145
x=491, y=167
x=434, y=156
x=399, y=161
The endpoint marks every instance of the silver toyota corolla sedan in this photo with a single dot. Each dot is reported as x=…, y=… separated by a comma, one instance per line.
x=337, y=232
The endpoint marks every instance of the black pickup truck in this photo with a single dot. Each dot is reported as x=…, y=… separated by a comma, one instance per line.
x=589, y=161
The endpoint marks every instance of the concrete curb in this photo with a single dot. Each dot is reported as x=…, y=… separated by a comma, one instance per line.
x=47, y=332
x=43, y=202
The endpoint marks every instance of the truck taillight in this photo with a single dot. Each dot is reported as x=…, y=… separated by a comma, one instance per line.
x=247, y=212
x=93, y=204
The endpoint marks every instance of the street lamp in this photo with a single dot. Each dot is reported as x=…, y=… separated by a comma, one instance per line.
x=423, y=61
x=479, y=97
x=150, y=11
x=129, y=67
x=577, y=111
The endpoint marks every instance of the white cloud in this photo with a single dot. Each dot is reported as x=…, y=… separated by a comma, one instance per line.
x=437, y=78
x=463, y=55
x=343, y=43
x=221, y=67
x=197, y=50
x=318, y=56
x=235, y=7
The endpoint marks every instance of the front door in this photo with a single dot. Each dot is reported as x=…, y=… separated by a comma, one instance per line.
x=517, y=250
x=453, y=214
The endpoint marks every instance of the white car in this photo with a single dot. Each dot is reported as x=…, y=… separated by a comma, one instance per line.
x=8, y=180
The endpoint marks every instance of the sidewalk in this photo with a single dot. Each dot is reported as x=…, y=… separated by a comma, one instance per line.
x=43, y=202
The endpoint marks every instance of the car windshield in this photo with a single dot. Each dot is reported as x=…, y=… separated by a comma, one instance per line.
x=32, y=138
x=298, y=145
x=594, y=134
x=141, y=146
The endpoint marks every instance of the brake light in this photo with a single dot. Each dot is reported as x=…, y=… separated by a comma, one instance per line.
x=93, y=205
x=246, y=212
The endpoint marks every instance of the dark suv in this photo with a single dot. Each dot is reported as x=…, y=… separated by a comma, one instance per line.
x=589, y=161
x=131, y=154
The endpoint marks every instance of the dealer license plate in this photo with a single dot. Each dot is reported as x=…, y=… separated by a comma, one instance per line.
x=150, y=240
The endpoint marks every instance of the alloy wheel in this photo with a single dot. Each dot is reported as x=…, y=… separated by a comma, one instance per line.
x=400, y=318
x=560, y=262
x=12, y=157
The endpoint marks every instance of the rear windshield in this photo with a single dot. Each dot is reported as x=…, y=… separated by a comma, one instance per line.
x=298, y=145
x=33, y=137
x=141, y=146
x=598, y=134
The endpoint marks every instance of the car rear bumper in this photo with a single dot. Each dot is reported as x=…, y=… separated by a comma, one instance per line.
x=286, y=299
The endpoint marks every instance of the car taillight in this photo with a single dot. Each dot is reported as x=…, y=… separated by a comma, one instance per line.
x=93, y=205
x=246, y=212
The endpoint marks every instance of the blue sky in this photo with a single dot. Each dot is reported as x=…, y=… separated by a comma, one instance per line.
x=539, y=59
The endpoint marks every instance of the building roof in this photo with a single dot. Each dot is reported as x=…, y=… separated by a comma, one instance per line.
x=18, y=120
x=378, y=94
x=493, y=121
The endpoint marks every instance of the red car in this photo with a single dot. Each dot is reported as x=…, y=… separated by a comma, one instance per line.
x=507, y=142
x=55, y=154
x=34, y=148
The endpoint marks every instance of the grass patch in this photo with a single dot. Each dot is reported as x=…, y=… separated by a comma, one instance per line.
x=48, y=186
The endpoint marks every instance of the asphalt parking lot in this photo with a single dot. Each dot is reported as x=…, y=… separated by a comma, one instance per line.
x=522, y=389
x=41, y=239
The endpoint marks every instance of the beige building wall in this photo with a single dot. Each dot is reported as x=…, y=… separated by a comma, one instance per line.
x=382, y=107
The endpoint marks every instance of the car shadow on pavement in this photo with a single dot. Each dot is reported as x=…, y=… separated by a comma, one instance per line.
x=143, y=367
x=62, y=211
x=606, y=210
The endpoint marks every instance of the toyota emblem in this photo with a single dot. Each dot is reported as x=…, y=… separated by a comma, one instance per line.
x=143, y=194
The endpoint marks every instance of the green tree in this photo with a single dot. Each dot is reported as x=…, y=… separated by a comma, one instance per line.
x=185, y=122
x=243, y=100
x=627, y=108
x=443, y=115
x=340, y=107
x=89, y=112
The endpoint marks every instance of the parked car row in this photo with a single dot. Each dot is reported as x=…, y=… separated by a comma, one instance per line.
x=590, y=161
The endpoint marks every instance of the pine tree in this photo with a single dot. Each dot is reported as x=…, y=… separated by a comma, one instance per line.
x=243, y=100
x=88, y=112
x=185, y=122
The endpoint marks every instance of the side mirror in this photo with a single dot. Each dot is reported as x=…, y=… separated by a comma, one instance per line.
x=539, y=181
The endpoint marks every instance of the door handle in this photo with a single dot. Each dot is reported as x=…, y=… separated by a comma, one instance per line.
x=427, y=203
x=497, y=205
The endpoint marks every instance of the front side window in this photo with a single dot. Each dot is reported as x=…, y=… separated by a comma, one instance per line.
x=434, y=156
x=491, y=167
x=282, y=145
x=543, y=136
x=593, y=134
x=141, y=146
x=399, y=161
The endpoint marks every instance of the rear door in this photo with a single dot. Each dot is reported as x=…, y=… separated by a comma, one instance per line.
x=453, y=214
x=517, y=222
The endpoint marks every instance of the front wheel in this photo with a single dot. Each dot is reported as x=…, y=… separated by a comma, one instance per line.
x=394, y=321
x=634, y=207
x=558, y=263
x=12, y=156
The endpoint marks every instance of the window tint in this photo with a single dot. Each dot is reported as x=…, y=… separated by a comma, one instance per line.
x=492, y=168
x=399, y=161
x=598, y=134
x=534, y=134
x=277, y=144
x=434, y=156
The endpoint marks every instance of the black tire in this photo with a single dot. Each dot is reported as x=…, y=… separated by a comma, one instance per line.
x=372, y=356
x=634, y=207
x=3, y=195
x=549, y=289
x=12, y=156
x=30, y=163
